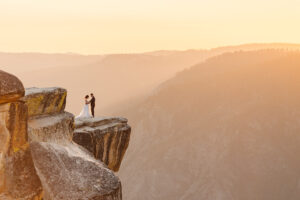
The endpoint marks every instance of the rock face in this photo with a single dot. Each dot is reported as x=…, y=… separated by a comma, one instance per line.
x=18, y=179
x=45, y=101
x=107, y=138
x=48, y=122
x=11, y=88
x=69, y=173
x=39, y=160
x=66, y=170
x=54, y=128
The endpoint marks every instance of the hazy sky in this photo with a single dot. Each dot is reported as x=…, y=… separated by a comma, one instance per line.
x=110, y=26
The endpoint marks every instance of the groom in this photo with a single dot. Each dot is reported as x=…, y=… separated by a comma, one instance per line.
x=92, y=102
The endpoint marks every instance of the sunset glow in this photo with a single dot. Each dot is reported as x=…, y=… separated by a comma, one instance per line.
x=110, y=26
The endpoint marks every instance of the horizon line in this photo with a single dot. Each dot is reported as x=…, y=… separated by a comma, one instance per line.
x=150, y=51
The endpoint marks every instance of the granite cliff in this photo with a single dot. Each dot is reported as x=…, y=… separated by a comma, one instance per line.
x=38, y=158
x=107, y=138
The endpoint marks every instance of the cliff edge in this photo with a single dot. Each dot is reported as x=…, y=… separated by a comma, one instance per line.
x=38, y=158
x=107, y=138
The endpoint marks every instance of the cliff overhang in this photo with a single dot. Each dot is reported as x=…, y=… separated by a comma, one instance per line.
x=38, y=158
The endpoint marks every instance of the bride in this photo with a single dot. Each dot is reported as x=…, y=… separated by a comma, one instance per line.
x=85, y=113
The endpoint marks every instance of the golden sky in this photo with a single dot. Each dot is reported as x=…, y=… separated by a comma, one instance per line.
x=123, y=26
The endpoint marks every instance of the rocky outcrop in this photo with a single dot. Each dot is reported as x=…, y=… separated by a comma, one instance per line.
x=66, y=170
x=39, y=160
x=54, y=128
x=11, y=88
x=45, y=101
x=106, y=137
x=48, y=122
x=18, y=179
x=69, y=173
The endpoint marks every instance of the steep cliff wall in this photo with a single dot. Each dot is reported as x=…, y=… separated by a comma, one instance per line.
x=18, y=179
x=66, y=170
x=106, y=137
x=38, y=158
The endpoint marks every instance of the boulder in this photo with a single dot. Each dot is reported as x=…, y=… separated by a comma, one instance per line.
x=106, y=138
x=52, y=128
x=11, y=88
x=70, y=173
x=45, y=101
x=18, y=178
x=48, y=122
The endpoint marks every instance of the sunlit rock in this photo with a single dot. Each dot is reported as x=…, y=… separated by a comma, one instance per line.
x=45, y=101
x=18, y=179
x=11, y=88
x=38, y=159
x=107, y=138
x=69, y=173
x=48, y=122
x=54, y=128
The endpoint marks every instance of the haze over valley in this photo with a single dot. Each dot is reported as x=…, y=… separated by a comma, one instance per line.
x=224, y=129
x=116, y=79
x=149, y=100
x=206, y=124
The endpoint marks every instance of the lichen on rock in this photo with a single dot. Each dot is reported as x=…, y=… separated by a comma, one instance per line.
x=48, y=122
x=45, y=101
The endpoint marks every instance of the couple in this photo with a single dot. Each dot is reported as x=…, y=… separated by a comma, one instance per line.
x=85, y=111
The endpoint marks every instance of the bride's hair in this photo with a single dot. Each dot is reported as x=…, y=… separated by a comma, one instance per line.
x=87, y=96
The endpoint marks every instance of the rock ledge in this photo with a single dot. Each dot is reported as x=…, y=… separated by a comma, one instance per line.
x=106, y=137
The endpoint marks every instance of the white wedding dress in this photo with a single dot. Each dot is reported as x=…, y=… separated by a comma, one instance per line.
x=85, y=112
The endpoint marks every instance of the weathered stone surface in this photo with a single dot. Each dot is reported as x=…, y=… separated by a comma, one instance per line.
x=51, y=128
x=48, y=122
x=5, y=197
x=70, y=173
x=14, y=115
x=18, y=179
x=52, y=167
x=107, y=138
x=21, y=180
x=11, y=88
x=45, y=101
x=98, y=121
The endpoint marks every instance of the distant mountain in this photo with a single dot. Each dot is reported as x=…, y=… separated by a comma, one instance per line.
x=225, y=129
x=21, y=62
x=117, y=80
x=113, y=79
x=224, y=49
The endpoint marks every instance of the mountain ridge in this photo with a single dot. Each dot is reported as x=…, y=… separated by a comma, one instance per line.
x=224, y=129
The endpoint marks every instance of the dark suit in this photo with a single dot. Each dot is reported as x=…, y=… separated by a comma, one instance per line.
x=92, y=102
